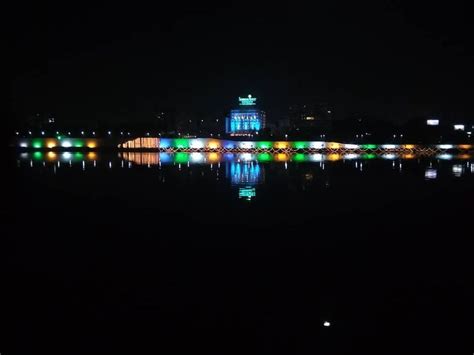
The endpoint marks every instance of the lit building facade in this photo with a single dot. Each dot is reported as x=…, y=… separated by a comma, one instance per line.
x=247, y=120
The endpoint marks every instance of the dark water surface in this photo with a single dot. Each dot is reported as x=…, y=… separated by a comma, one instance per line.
x=140, y=253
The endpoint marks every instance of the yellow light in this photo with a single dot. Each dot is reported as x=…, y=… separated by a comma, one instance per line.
x=281, y=145
x=91, y=144
x=408, y=156
x=213, y=157
x=334, y=157
x=464, y=146
x=52, y=156
x=214, y=144
x=408, y=146
x=334, y=145
x=464, y=156
x=92, y=156
x=282, y=157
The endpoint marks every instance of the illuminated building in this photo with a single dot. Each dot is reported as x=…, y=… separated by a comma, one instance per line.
x=247, y=119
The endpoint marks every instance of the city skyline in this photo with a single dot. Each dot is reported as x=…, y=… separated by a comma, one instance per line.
x=116, y=62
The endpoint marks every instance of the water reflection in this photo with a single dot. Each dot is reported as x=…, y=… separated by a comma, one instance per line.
x=245, y=171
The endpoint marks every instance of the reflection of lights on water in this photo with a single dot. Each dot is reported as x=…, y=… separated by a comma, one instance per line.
x=445, y=156
x=110, y=164
x=67, y=155
x=129, y=164
x=246, y=156
x=389, y=156
x=83, y=165
x=247, y=193
x=431, y=174
x=122, y=164
x=351, y=156
x=95, y=164
x=31, y=163
x=457, y=170
x=286, y=165
x=317, y=157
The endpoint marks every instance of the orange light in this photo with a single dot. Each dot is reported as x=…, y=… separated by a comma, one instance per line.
x=92, y=156
x=213, y=157
x=334, y=157
x=282, y=157
x=408, y=156
x=51, y=144
x=334, y=145
x=464, y=156
x=91, y=144
x=408, y=146
x=281, y=145
x=214, y=145
x=464, y=146
x=52, y=156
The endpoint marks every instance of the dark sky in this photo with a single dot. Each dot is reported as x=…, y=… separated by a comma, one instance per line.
x=117, y=60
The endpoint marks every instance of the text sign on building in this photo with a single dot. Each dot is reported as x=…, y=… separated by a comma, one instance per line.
x=247, y=101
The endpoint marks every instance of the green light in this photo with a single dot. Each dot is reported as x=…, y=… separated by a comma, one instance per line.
x=299, y=157
x=78, y=156
x=38, y=156
x=181, y=143
x=264, y=145
x=78, y=144
x=300, y=145
x=59, y=138
x=37, y=143
x=181, y=158
x=263, y=157
x=368, y=156
x=368, y=146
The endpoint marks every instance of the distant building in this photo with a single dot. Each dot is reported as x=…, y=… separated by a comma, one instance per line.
x=247, y=119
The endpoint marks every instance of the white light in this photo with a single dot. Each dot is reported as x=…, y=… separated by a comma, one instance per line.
x=445, y=146
x=389, y=146
x=246, y=156
x=197, y=157
x=389, y=156
x=29, y=132
x=445, y=156
x=431, y=174
x=23, y=145
x=457, y=170
x=316, y=157
x=66, y=144
x=109, y=132
x=327, y=324
x=459, y=127
x=351, y=156
x=93, y=133
x=42, y=133
x=67, y=155
x=432, y=122
x=17, y=133
x=351, y=146
x=317, y=145
x=82, y=132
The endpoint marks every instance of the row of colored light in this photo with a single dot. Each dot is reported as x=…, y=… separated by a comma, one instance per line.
x=59, y=142
x=145, y=158
x=205, y=143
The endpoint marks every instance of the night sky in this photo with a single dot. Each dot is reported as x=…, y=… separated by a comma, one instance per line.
x=125, y=61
